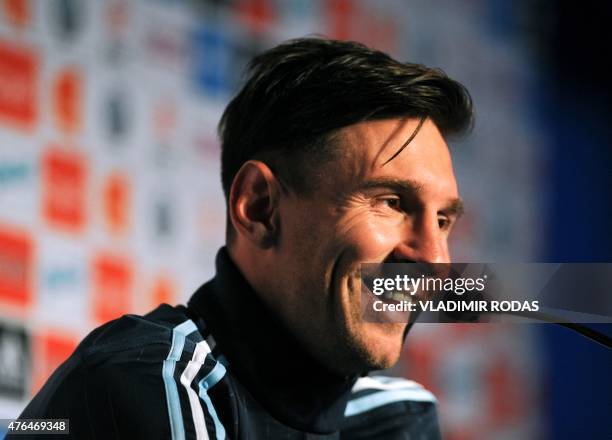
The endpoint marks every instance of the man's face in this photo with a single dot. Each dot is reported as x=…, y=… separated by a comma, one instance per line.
x=363, y=211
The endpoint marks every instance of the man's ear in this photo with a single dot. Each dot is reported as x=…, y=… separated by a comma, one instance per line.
x=253, y=203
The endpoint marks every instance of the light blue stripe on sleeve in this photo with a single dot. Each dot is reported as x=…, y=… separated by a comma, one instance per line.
x=372, y=401
x=179, y=333
x=209, y=381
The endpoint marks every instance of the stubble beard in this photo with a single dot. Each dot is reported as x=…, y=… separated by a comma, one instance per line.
x=340, y=339
x=356, y=352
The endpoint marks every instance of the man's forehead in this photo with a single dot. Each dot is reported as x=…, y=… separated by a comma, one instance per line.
x=381, y=129
x=410, y=150
x=377, y=143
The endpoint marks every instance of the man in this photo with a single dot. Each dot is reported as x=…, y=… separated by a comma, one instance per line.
x=333, y=155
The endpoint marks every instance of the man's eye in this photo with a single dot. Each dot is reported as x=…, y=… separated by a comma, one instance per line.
x=444, y=223
x=391, y=202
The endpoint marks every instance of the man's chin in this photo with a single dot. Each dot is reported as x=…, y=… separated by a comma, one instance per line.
x=377, y=346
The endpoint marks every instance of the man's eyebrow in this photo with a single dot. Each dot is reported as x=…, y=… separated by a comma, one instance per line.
x=391, y=183
x=456, y=207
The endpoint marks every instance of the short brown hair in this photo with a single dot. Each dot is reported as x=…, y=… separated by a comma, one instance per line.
x=298, y=94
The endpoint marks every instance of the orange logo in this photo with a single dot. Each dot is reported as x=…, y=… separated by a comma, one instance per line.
x=18, y=83
x=258, y=14
x=17, y=12
x=112, y=281
x=116, y=203
x=163, y=291
x=16, y=259
x=340, y=16
x=67, y=100
x=50, y=350
x=64, y=192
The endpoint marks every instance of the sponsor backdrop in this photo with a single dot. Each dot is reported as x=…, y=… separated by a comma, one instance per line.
x=110, y=200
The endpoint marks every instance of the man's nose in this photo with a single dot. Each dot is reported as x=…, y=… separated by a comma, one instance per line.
x=423, y=241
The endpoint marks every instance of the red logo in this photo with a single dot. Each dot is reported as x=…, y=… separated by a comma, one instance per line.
x=258, y=14
x=64, y=192
x=16, y=259
x=67, y=100
x=116, y=203
x=163, y=291
x=340, y=17
x=18, y=84
x=348, y=20
x=112, y=280
x=17, y=12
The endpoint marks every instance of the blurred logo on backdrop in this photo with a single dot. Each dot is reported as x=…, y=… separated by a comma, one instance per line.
x=258, y=15
x=64, y=176
x=117, y=203
x=164, y=291
x=219, y=58
x=18, y=86
x=14, y=172
x=112, y=283
x=62, y=279
x=15, y=362
x=16, y=267
x=117, y=115
x=163, y=218
x=211, y=61
x=17, y=12
x=67, y=17
x=68, y=100
x=350, y=20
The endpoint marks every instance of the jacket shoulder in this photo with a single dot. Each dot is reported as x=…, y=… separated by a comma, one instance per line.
x=382, y=407
x=135, y=377
x=130, y=332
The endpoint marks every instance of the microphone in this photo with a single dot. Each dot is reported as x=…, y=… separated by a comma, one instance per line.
x=589, y=333
x=542, y=315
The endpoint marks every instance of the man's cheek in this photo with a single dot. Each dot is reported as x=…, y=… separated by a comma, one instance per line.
x=374, y=239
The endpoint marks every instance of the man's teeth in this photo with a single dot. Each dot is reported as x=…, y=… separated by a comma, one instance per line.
x=396, y=295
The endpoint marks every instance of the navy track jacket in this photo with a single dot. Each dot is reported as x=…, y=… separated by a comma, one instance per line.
x=222, y=367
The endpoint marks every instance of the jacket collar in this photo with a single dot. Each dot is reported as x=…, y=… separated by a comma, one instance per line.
x=287, y=381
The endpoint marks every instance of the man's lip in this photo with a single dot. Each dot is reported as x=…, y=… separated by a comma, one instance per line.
x=394, y=296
